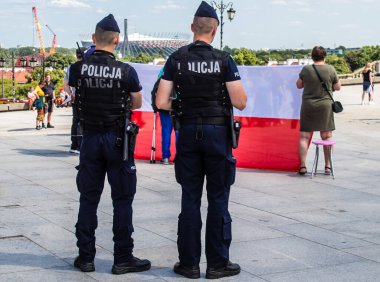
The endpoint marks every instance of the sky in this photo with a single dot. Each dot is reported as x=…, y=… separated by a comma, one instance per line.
x=258, y=24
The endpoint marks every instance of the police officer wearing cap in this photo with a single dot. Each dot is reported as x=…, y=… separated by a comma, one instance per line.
x=207, y=85
x=106, y=91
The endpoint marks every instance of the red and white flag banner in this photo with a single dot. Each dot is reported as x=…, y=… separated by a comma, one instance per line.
x=270, y=122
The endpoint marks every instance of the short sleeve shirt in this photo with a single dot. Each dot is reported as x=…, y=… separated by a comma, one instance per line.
x=66, y=77
x=48, y=90
x=232, y=73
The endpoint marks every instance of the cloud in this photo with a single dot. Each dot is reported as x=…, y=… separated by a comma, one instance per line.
x=295, y=23
x=334, y=14
x=348, y=26
x=69, y=4
x=279, y=2
x=299, y=3
x=168, y=5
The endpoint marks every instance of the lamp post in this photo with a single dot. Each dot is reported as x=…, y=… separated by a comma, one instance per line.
x=33, y=62
x=23, y=62
x=53, y=63
x=43, y=65
x=13, y=77
x=2, y=65
x=230, y=14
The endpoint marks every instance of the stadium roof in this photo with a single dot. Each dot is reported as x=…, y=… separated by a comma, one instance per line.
x=163, y=43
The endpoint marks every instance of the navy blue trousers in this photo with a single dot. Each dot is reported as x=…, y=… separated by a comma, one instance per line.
x=100, y=156
x=207, y=155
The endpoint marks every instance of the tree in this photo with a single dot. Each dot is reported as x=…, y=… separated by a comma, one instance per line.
x=246, y=57
x=339, y=63
x=141, y=58
x=354, y=60
x=63, y=60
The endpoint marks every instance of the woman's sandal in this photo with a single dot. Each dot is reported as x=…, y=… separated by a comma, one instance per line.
x=327, y=170
x=302, y=170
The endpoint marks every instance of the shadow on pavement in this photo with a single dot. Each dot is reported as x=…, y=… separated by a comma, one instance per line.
x=22, y=129
x=45, y=261
x=44, y=152
x=59, y=134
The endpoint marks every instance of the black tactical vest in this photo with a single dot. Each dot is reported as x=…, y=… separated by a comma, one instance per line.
x=199, y=82
x=102, y=93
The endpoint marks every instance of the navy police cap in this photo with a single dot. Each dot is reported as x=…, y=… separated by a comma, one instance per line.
x=109, y=24
x=205, y=10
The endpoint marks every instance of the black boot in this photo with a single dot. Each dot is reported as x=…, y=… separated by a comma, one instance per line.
x=230, y=269
x=133, y=265
x=192, y=272
x=84, y=266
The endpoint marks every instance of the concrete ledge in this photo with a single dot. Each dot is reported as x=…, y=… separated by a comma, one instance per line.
x=14, y=107
x=4, y=107
x=354, y=81
x=18, y=106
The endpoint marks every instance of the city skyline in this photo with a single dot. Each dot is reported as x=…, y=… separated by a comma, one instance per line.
x=273, y=24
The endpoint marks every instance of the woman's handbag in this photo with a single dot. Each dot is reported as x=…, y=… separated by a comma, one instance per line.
x=337, y=106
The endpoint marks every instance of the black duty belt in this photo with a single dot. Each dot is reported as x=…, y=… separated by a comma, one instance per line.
x=206, y=120
x=101, y=127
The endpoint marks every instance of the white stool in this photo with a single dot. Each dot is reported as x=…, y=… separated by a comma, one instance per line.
x=329, y=144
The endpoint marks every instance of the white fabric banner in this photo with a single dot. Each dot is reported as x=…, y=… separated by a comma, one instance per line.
x=271, y=91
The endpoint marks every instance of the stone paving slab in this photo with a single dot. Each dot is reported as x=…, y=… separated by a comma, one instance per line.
x=363, y=271
x=285, y=227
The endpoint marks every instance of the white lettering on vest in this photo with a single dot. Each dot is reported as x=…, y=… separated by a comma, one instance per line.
x=106, y=72
x=84, y=68
x=92, y=82
x=101, y=71
x=90, y=71
x=204, y=67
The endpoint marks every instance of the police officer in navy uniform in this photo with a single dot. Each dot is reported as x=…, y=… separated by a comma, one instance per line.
x=207, y=86
x=106, y=90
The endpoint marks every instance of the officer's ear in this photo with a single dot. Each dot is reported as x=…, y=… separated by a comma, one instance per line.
x=93, y=38
x=116, y=39
x=213, y=32
x=192, y=28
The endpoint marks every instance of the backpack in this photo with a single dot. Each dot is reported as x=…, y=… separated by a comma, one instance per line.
x=153, y=97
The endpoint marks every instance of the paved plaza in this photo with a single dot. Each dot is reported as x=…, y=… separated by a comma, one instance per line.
x=285, y=227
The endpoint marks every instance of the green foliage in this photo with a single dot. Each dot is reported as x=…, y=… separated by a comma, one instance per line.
x=63, y=60
x=141, y=58
x=66, y=51
x=339, y=63
x=246, y=57
x=355, y=59
x=21, y=90
x=229, y=50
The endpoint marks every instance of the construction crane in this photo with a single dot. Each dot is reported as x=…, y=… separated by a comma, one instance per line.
x=54, y=43
x=39, y=34
x=38, y=28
